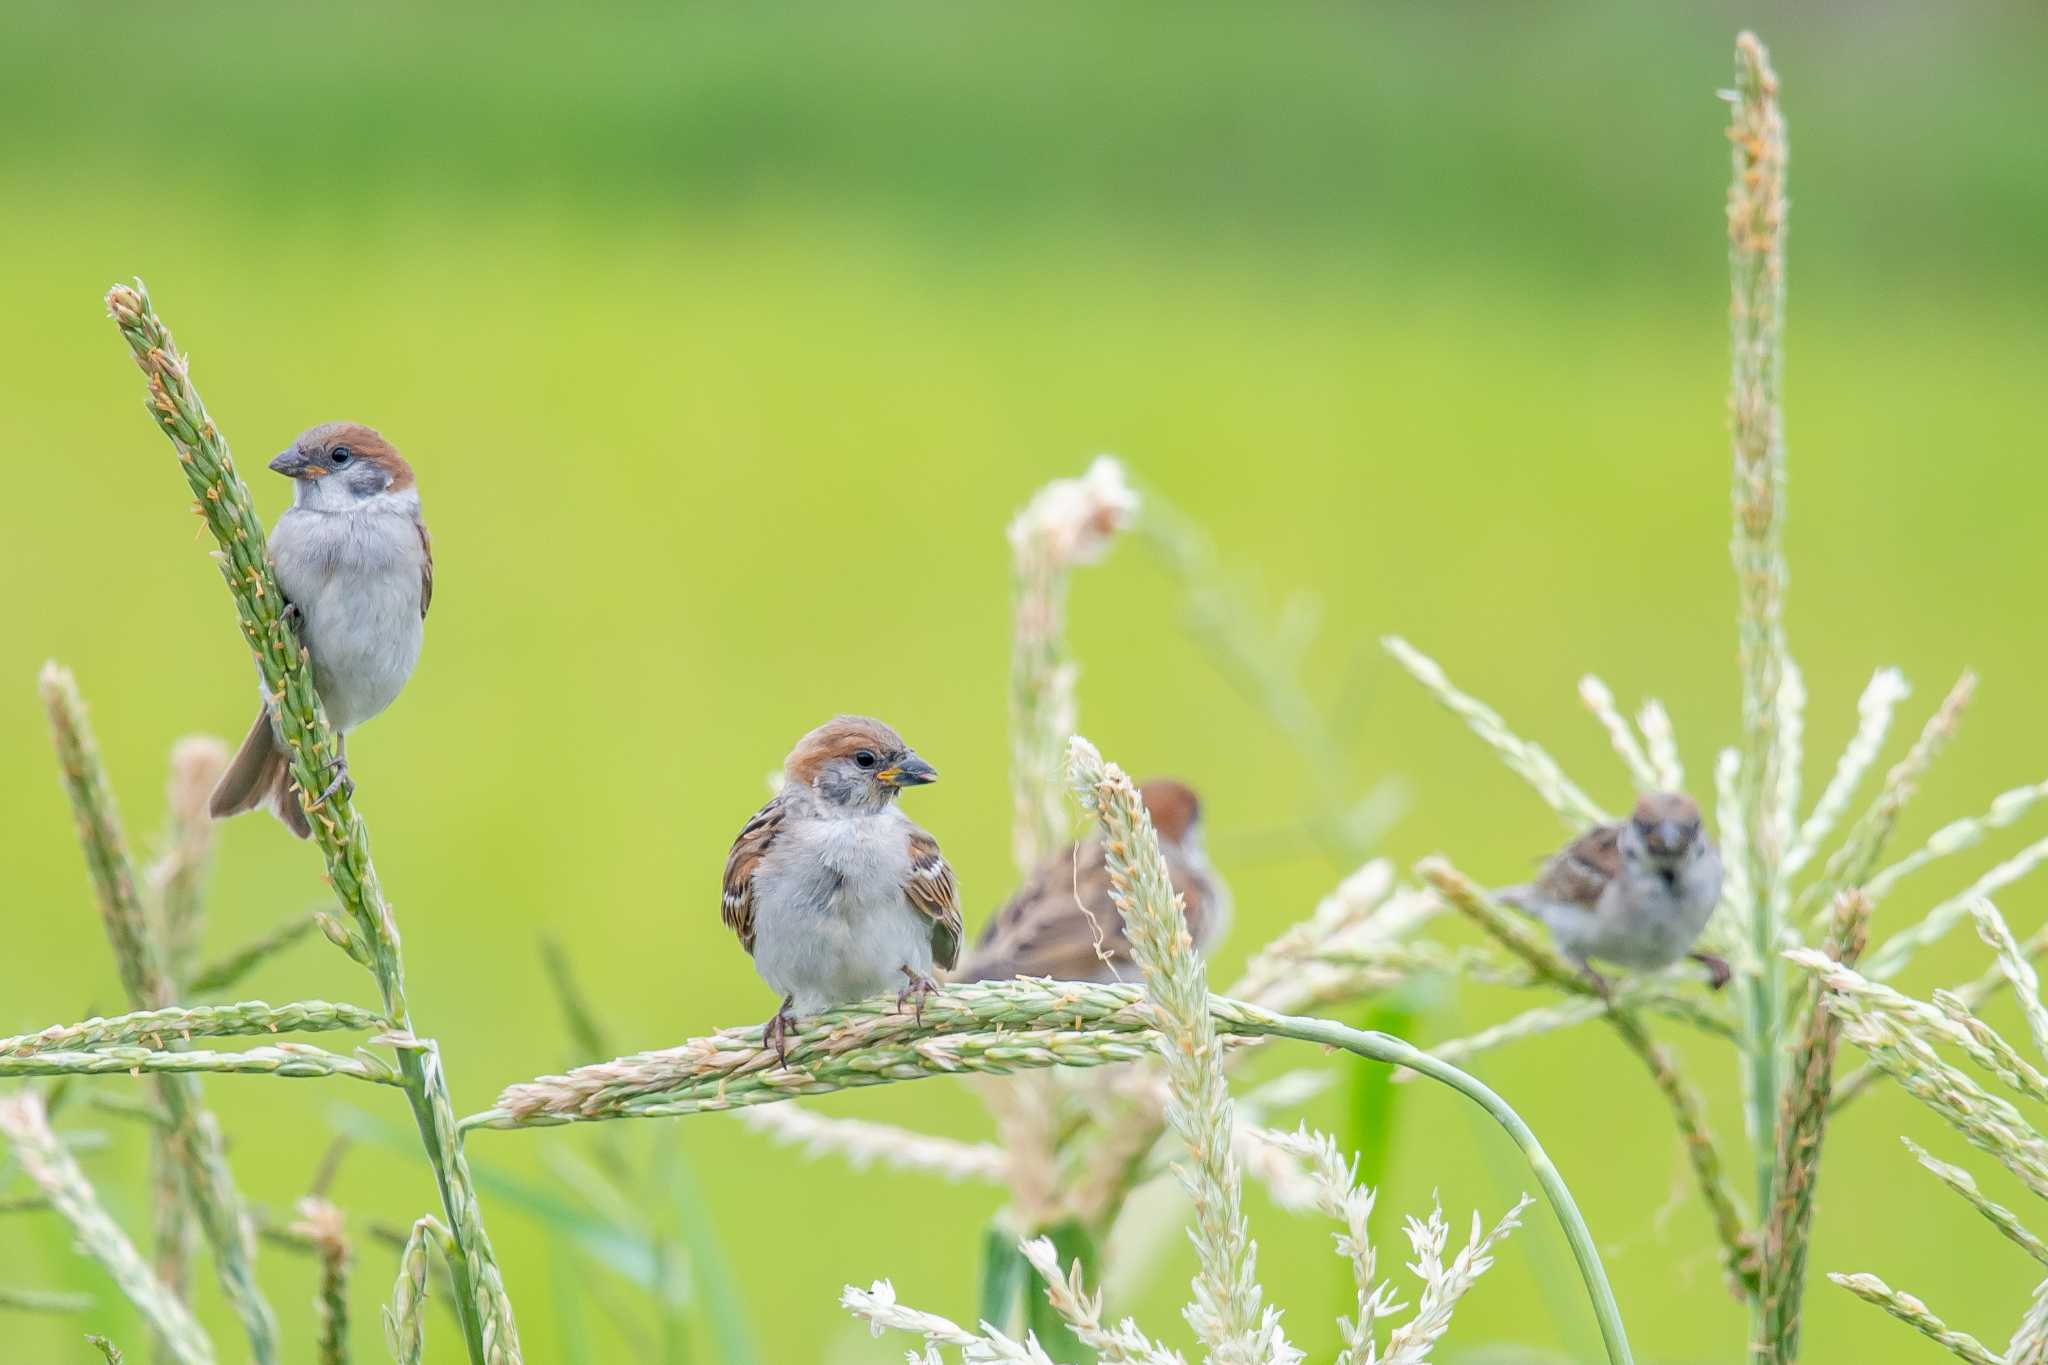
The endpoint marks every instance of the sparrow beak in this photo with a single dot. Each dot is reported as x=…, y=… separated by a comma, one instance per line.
x=911, y=772
x=1670, y=837
x=294, y=465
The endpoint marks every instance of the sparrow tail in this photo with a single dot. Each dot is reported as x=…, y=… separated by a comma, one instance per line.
x=260, y=774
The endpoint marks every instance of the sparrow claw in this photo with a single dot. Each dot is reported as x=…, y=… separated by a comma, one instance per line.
x=339, y=767
x=294, y=620
x=920, y=986
x=1717, y=969
x=776, y=1033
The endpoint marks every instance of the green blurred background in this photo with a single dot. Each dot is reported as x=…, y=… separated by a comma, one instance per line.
x=726, y=340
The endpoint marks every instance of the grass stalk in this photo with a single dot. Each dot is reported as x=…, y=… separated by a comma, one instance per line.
x=284, y=1059
x=1756, y=264
x=42, y=1156
x=181, y=1023
x=223, y=500
x=1918, y=1316
x=1738, y=1252
x=1801, y=1127
x=195, y=1137
x=322, y=1224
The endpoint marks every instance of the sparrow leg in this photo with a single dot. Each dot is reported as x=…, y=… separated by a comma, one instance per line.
x=1717, y=969
x=776, y=1034
x=294, y=619
x=1598, y=982
x=920, y=986
x=339, y=767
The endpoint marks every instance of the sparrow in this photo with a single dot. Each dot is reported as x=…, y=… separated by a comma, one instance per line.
x=356, y=567
x=1637, y=893
x=834, y=891
x=1062, y=923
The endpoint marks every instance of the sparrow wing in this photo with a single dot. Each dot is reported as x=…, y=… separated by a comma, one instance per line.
x=1063, y=923
x=932, y=892
x=1582, y=869
x=740, y=865
x=426, y=567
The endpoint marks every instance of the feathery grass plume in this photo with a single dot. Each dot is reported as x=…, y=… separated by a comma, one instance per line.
x=1853, y=863
x=36, y=1148
x=1067, y=524
x=1886, y=689
x=1444, y=1284
x=1802, y=1124
x=1996, y=1214
x=1226, y=1312
x=198, y=1021
x=195, y=1139
x=371, y=933
x=217, y=976
x=877, y=1306
x=2017, y=969
x=1892, y=956
x=1655, y=723
x=405, y=1325
x=1122, y=1344
x=1599, y=700
x=177, y=879
x=1688, y=1111
x=1957, y=835
x=105, y=1347
x=862, y=1144
x=1528, y=760
x=1756, y=268
x=1340, y=1196
x=42, y=1301
x=1915, y=1314
x=322, y=1224
x=2029, y=1344
x=283, y=1059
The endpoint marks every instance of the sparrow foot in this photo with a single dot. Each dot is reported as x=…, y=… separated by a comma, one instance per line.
x=1717, y=969
x=339, y=767
x=777, y=1031
x=920, y=986
x=1601, y=984
x=294, y=619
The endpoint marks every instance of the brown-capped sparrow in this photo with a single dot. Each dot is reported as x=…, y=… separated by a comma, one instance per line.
x=1637, y=893
x=1062, y=923
x=835, y=892
x=357, y=571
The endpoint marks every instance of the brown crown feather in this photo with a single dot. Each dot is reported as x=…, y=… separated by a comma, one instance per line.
x=839, y=737
x=364, y=443
x=1174, y=807
x=1655, y=807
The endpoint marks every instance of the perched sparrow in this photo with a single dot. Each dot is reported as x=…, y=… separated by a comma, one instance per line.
x=1062, y=924
x=357, y=570
x=832, y=888
x=1636, y=893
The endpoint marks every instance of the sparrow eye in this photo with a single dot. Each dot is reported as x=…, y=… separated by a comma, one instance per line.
x=864, y=759
x=342, y=455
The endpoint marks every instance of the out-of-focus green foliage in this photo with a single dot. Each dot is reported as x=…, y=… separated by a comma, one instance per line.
x=725, y=342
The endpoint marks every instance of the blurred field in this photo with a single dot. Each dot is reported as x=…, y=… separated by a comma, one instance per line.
x=725, y=343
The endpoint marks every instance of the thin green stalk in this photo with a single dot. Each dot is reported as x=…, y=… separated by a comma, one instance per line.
x=1738, y=1259
x=177, y=1023
x=321, y=1223
x=1801, y=1127
x=285, y=1059
x=872, y=1044
x=42, y=1156
x=43, y=1301
x=195, y=1137
x=371, y=934
x=1756, y=265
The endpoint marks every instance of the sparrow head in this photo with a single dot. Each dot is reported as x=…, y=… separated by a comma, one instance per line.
x=1175, y=809
x=857, y=762
x=1664, y=828
x=338, y=465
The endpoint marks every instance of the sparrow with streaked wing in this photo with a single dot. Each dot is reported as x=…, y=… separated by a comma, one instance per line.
x=1636, y=893
x=835, y=892
x=1062, y=924
x=356, y=568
